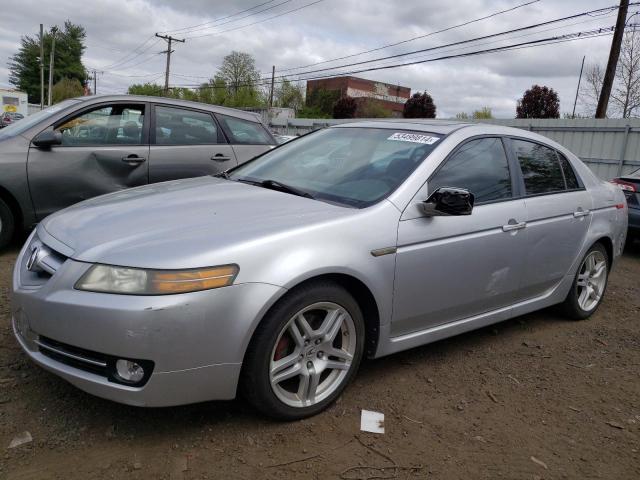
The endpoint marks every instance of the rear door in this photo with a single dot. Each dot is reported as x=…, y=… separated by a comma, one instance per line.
x=186, y=143
x=558, y=214
x=104, y=149
x=248, y=138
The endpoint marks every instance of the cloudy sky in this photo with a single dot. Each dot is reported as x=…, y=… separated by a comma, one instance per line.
x=120, y=42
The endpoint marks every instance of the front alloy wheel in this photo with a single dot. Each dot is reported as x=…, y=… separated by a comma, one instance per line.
x=312, y=354
x=304, y=352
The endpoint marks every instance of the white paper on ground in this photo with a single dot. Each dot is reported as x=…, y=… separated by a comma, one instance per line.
x=372, y=422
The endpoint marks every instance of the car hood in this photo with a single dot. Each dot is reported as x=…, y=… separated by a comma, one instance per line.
x=182, y=224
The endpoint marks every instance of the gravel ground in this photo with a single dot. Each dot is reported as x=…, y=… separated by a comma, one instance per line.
x=537, y=397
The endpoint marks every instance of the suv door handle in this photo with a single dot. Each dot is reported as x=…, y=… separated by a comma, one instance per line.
x=581, y=213
x=510, y=227
x=133, y=159
x=219, y=157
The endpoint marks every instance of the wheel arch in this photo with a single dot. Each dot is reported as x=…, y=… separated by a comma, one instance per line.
x=360, y=292
x=607, y=243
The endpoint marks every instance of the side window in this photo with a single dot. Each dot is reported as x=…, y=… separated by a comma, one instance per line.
x=569, y=174
x=178, y=126
x=107, y=125
x=540, y=168
x=245, y=132
x=481, y=167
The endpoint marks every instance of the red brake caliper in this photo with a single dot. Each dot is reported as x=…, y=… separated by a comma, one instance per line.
x=282, y=348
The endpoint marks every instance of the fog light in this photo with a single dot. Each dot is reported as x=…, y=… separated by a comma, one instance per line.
x=129, y=371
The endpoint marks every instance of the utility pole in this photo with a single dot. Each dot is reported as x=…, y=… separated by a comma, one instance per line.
x=273, y=76
x=573, y=115
x=41, y=67
x=614, y=54
x=51, y=58
x=168, y=51
x=95, y=82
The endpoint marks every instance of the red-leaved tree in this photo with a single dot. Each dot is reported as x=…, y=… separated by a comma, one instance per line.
x=539, y=102
x=420, y=105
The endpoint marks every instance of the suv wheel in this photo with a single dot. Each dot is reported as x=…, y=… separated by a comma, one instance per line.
x=7, y=224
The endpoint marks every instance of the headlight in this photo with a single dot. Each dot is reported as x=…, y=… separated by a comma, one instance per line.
x=137, y=281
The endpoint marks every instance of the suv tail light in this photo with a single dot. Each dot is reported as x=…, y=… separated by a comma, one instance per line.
x=626, y=186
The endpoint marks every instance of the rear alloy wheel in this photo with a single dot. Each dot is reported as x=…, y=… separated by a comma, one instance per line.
x=589, y=285
x=305, y=352
x=7, y=224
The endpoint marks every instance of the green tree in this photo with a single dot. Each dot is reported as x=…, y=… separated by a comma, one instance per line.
x=322, y=101
x=483, y=114
x=151, y=89
x=24, y=66
x=420, y=105
x=539, y=102
x=462, y=116
x=214, y=91
x=288, y=95
x=66, y=88
x=372, y=108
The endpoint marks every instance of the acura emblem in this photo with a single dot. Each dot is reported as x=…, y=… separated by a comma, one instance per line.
x=32, y=263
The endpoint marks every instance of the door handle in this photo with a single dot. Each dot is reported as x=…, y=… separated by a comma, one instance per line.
x=219, y=157
x=510, y=227
x=581, y=213
x=133, y=159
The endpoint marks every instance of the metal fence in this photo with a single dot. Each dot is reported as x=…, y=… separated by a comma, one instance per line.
x=610, y=147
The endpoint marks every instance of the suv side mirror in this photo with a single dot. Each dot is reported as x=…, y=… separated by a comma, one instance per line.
x=47, y=138
x=446, y=201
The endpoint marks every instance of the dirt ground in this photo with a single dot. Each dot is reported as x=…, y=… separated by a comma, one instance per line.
x=537, y=397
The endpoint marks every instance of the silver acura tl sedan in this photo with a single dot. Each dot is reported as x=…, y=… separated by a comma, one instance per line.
x=276, y=277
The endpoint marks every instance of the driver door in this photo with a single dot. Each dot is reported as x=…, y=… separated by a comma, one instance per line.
x=104, y=149
x=449, y=268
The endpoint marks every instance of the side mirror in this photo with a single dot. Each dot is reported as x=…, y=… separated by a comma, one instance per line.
x=47, y=138
x=446, y=201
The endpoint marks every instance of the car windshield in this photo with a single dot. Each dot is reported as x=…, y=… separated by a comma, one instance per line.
x=27, y=122
x=352, y=166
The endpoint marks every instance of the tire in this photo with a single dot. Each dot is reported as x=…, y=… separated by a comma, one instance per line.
x=589, y=286
x=7, y=224
x=304, y=353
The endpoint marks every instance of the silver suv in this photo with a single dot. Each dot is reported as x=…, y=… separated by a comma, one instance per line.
x=88, y=146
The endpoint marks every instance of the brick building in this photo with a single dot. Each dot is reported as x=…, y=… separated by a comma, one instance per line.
x=390, y=97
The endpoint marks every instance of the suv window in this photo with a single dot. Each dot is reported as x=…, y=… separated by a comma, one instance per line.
x=481, y=167
x=569, y=175
x=540, y=168
x=179, y=126
x=245, y=132
x=105, y=125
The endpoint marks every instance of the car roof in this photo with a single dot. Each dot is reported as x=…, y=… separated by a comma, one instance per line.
x=443, y=127
x=251, y=116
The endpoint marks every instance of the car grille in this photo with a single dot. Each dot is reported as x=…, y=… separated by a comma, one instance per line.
x=39, y=263
x=80, y=358
x=89, y=361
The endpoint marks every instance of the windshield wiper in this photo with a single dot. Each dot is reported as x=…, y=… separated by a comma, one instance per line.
x=283, y=187
x=276, y=185
x=224, y=174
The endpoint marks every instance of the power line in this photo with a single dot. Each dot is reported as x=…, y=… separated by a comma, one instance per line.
x=469, y=22
x=531, y=43
x=217, y=19
x=256, y=22
x=461, y=42
x=241, y=18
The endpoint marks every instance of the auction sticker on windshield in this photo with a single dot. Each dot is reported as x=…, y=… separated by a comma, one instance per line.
x=414, y=138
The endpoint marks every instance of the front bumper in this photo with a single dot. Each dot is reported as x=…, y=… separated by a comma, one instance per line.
x=196, y=341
